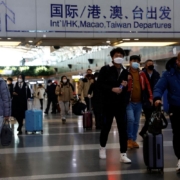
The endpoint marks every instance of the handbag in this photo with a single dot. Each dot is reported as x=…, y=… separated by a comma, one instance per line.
x=157, y=122
x=6, y=133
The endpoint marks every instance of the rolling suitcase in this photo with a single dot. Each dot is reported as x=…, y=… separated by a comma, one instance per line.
x=33, y=121
x=87, y=118
x=153, y=152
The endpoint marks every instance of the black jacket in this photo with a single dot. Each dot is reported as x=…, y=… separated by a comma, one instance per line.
x=108, y=79
x=10, y=87
x=51, y=91
x=153, y=79
x=19, y=102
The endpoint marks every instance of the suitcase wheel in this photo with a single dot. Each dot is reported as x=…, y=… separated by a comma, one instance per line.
x=161, y=170
x=149, y=170
x=42, y=132
x=26, y=132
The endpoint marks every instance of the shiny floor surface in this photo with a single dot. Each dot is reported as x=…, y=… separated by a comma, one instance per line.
x=68, y=152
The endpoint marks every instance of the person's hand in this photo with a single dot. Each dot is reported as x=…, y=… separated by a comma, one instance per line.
x=117, y=90
x=89, y=96
x=157, y=103
x=14, y=93
x=151, y=101
x=124, y=83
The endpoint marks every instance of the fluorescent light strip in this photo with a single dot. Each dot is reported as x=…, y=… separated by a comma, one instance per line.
x=9, y=43
x=146, y=44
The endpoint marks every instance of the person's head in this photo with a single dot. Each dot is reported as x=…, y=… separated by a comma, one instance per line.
x=149, y=65
x=64, y=79
x=178, y=61
x=117, y=56
x=49, y=82
x=21, y=78
x=9, y=80
x=89, y=74
x=135, y=62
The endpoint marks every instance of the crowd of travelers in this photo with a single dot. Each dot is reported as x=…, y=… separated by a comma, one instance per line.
x=115, y=92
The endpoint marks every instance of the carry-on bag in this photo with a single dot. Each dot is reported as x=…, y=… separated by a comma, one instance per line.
x=87, y=118
x=33, y=121
x=6, y=133
x=153, y=152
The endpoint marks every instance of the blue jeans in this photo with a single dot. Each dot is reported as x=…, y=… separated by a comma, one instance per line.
x=133, y=112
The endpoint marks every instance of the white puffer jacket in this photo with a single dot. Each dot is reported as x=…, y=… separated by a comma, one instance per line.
x=40, y=93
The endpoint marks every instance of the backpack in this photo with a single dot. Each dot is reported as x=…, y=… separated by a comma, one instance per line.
x=157, y=122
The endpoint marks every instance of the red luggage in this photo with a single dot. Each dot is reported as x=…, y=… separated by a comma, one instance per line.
x=87, y=118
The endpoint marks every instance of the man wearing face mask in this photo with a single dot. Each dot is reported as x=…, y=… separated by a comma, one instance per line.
x=84, y=85
x=65, y=94
x=51, y=97
x=153, y=77
x=112, y=81
x=137, y=84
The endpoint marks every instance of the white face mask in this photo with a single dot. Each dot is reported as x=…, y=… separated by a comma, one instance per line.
x=64, y=80
x=19, y=80
x=118, y=60
x=96, y=78
x=49, y=84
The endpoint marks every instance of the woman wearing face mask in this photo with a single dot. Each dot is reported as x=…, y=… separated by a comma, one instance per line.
x=65, y=94
x=138, y=88
x=21, y=94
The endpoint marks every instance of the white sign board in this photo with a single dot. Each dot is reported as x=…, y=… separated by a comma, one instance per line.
x=89, y=18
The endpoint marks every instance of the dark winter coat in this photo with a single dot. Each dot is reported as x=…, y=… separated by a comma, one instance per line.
x=10, y=86
x=51, y=92
x=153, y=79
x=95, y=91
x=108, y=78
x=19, y=102
x=170, y=80
x=5, y=99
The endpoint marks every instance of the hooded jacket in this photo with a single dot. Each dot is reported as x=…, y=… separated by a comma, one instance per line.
x=170, y=80
x=5, y=99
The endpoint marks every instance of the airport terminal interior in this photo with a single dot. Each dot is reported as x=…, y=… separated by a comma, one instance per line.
x=48, y=39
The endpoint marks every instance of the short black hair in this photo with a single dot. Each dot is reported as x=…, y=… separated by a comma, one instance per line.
x=9, y=79
x=149, y=60
x=117, y=50
x=49, y=81
x=135, y=57
x=89, y=70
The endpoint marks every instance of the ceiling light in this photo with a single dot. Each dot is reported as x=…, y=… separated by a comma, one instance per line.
x=8, y=38
x=136, y=39
x=146, y=44
x=126, y=39
x=30, y=41
x=108, y=42
x=9, y=43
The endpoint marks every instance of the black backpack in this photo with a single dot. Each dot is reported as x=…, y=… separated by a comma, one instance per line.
x=6, y=134
x=157, y=122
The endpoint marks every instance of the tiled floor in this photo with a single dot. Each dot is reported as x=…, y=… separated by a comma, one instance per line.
x=66, y=151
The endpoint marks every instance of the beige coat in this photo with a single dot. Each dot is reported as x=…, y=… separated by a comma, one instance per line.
x=64, y=92
x=84, y=86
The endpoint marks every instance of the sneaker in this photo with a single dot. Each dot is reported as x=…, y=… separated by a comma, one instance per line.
x=130, y=144
x=178, y=167
x=102, y=153
x=124, y=158
x=63, y=119
x=135, y=144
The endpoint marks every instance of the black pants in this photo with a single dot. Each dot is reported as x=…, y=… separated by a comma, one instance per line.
x=147, y=113
x=120, y=115
x=20, y=122
x=98, y=119
x=53, y=101
x=41, y=103
x=87, y=102
x=174, y=113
